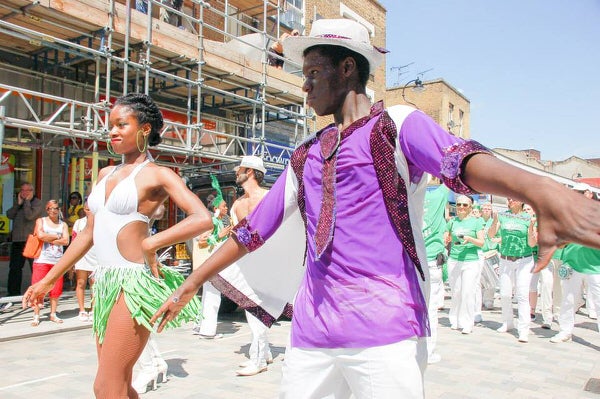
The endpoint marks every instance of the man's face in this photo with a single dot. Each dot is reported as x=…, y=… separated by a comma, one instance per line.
x=26, y=192
x=241, y=176
x=323, y=83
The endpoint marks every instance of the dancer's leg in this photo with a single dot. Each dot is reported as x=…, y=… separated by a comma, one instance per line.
x=123, y=343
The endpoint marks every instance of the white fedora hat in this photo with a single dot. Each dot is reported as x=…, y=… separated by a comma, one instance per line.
x=335, y=32
x=252, y=162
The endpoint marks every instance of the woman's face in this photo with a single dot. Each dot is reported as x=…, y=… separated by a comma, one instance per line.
x=125, y=130
x=223, y=208
x=527, y=208
x=74, y=200
x=514, y=205
x=52, y=209
x=463, y=206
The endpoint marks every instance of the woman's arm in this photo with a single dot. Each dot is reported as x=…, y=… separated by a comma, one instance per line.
x=476, y=241
x=532, y=233
x=198, y=219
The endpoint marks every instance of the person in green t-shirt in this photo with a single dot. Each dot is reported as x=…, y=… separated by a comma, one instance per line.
x=434, y=226
x=491, y=260
x=466, y=235
x=579, y=264
x=516, y=264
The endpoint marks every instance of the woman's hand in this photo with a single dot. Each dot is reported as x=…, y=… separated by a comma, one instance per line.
x=150, y=258
x=35, y=293
x=172, y=306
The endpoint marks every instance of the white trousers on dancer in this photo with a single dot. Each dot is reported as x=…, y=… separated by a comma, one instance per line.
x=259, y=348
x=463, y=277
x=437, y=285
x=211, y=301
x=519, y=274
x=572, y=295
x=382, y=372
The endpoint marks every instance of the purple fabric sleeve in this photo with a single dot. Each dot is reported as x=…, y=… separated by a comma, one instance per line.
x=260, y=224
x=429, y=148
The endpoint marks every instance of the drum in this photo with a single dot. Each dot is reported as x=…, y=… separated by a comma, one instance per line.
x=490, y=270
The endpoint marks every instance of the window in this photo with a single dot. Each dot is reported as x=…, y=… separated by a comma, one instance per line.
x=292, y=16
x=450, y=112
x=461, y=116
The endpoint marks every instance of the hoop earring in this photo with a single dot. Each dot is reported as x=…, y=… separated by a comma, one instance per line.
x=137, y=142
x=109, y=148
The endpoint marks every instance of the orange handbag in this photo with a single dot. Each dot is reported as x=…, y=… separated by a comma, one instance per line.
x=33, y=247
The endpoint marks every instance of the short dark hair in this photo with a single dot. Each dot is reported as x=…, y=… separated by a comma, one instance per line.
x=259, y=176
x=146, y=111
x=338, y=53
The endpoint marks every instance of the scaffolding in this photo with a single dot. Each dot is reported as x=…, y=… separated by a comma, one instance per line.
x=205, y=64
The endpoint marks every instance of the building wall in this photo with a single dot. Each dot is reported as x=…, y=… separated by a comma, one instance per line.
x=435, y=100
x=570, y=168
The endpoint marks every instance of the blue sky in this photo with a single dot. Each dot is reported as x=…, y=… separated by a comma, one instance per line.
x=530, y=68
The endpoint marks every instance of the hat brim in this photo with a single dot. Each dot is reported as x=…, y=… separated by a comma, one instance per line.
x=249, y=167
x=294, y=47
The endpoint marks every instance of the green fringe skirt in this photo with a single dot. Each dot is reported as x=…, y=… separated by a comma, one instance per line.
x=144, y=295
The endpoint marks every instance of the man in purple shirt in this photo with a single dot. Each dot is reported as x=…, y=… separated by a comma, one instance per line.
x=360, y=314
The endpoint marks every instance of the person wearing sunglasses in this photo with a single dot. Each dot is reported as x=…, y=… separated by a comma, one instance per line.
x=75, y=210
x=465, y=232
x=516, y=264
x=55, y=235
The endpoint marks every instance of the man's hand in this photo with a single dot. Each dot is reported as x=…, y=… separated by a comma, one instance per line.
x=563, y=217
x=173, y=305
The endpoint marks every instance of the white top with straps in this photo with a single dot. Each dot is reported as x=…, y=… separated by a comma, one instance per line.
x=112, y=214
x=51, y=253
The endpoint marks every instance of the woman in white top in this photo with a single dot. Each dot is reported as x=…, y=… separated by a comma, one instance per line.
x=83, y=269
x=55, y=234
x=129, y=286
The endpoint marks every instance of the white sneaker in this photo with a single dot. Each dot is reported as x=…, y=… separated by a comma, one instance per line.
x=561, y=337
x=505, y=328
x=251, y=370
x=249, y=362
x=434, y=358
x=524, y=337
x=478, y=318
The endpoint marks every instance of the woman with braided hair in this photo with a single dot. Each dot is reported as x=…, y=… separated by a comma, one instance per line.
x=130, y=284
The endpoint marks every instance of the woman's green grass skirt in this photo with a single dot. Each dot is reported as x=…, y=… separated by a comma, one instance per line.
x=144, y=295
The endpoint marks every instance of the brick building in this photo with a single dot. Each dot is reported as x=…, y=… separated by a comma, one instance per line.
x=438, y=99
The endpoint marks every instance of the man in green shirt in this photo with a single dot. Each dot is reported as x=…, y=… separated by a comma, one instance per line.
x=434, y=225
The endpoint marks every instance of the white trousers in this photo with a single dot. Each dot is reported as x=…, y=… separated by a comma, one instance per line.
x=259, y=348
x=517, y=273
x=211, y=301
x=546, y=284
x=384, y=372
x=437, y=289
x=463, y=277
x=572, y=295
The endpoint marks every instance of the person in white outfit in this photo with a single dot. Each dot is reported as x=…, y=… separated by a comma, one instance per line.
x=208, y=243
x=466, y=235
x=434, y=225
x=84, y=269
x=250, y=175
x=519, y=236
x=152, y=367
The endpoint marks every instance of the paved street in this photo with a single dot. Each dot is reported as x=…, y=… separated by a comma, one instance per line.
x=59, y=361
